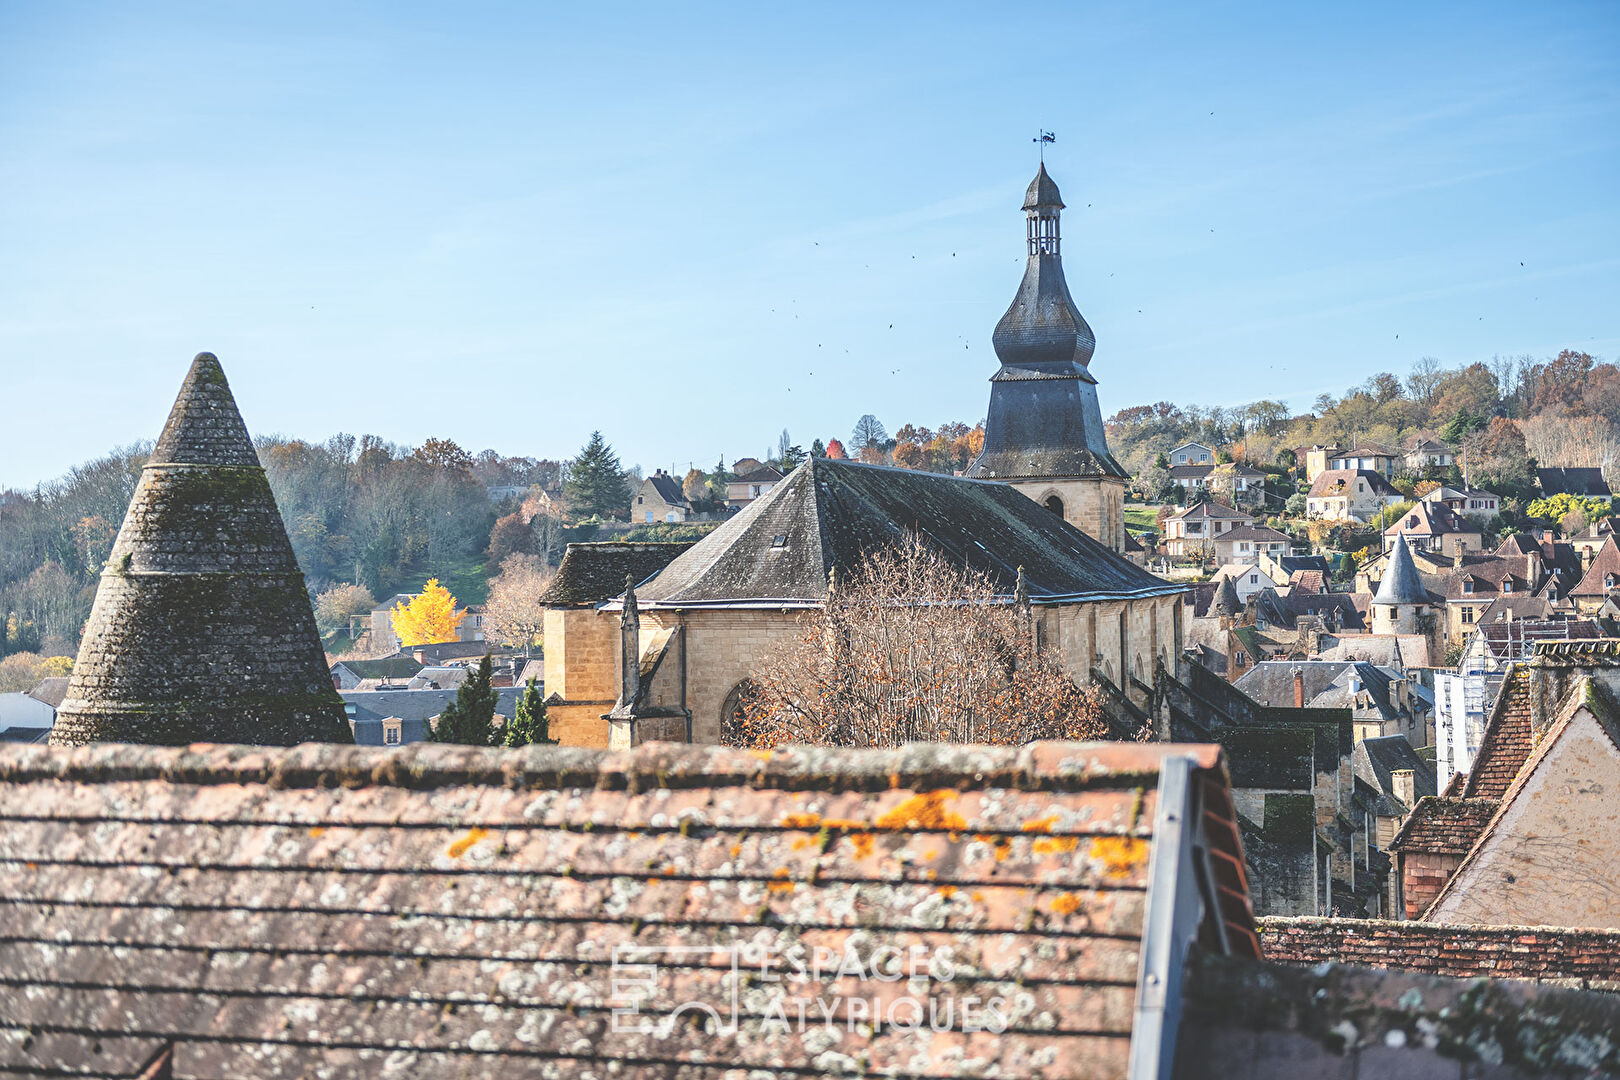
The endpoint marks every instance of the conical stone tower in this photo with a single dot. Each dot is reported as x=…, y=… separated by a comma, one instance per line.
x=201, y=629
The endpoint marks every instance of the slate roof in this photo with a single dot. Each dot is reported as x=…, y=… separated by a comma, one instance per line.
x=1286, y=610
x=1573, y=482
x=1042, y=191
x=593, y=572
x=1294, y=563
x=20, y=734
x=779, y=550
x=51, y=691
x=201, y=630
x=1226, y=599
x=667, y=488
x=455, y=911
x=765, y=474
x=1376, y=760
x=1604, y=563
x=388, y=667
x=1441, y=825
x=1430, y=519
x=1260, y=534
x=1400, y=583
x=1190, y=472
x=1328, y=481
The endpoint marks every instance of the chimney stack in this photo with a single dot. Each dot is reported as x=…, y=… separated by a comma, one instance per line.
x=630, y=646
x=1401, y=781
x=1299, y=689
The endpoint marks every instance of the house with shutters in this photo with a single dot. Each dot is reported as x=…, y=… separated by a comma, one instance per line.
x=1191, y=533
x=1349, y=495
x=660, y=500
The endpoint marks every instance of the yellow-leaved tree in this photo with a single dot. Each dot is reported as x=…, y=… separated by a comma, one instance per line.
x=428, y=618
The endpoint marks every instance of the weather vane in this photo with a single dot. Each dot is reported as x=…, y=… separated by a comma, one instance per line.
x=1043, y=138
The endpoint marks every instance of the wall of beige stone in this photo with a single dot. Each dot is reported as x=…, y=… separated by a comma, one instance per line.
x=1094, y=505
x=723, y=649
x=1549, y=859
x=1085, y=632
x=582, y=674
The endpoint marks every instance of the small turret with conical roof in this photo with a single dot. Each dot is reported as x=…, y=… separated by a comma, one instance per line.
x=201, y=629
x=1401, y=594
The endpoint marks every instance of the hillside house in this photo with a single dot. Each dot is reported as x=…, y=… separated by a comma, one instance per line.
x=1472, y=503
x=1426, y=455
x=744, y=488
x=1430, y=526
x=1191, y=533
x=660, y=500
x=1247, y=543
x=1349, y=495
x=1191, y=454
x=1366, y=458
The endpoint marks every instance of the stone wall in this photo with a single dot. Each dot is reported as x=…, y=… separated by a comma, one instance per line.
x=582, y=674
x=1591, y=957
x=1094, y=505
x=1423, y=875
x=723, y=647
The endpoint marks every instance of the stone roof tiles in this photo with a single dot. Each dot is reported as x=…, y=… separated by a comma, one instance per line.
x=439, y=910
x=778, y=551
x=1400, y=583
x=1334, y=482
x=1443, y=825
x=1506, y=743
x=1604, y=569
x=201, y=629
x=593, y=572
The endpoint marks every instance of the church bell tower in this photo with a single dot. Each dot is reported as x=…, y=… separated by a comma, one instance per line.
x=1044, y=433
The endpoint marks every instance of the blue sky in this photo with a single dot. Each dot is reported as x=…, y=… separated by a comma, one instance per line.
x=692, y=226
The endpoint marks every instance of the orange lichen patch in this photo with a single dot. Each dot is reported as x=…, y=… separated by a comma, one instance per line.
x=1065, y=903
x=1120, y=855
x=459, y=848
x=736, y=850
x=1043, y=824
x=780, y=885
x=947, y=891
x=1050, y=845
x=1000, y=846
x=763, y=755
x=317, y=832
x=801, y=821
x=924, y=810
x=862, y=843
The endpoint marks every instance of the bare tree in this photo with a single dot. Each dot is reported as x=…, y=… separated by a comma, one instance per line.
x=1425, y=379
x=514, y=613
x=915, y=649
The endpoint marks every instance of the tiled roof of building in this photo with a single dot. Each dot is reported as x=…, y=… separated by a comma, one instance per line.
x=1430, y=519
x=1190, y=472
x=1261, y=534
x=1573, y=481
x=441, y=910
x=1400, y=583
x=1226, y=599
x=1205, y=508
x=781, y=548
x=202, y=630
x=388, y=667
x=594, y=572
x=1307, y=581
x=1338, y=610
x=1605, y=567
x=1291, y=563
x=1584, y=957
x=1335, y=482
x=1439, y=825
x=765, y=474
x=51, y=691
x=1506, y=743
x=1377, y=759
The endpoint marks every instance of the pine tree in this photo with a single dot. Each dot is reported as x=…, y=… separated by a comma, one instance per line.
x=596, y=483
x=818, y=449
x=529, y=727
x=470, y=719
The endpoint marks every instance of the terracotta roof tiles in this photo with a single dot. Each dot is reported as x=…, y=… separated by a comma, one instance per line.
x=1444, y=826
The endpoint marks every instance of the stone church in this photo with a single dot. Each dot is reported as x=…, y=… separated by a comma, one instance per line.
x=656, y=641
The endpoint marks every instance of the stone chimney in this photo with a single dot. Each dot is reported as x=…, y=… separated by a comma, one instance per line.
x=1457, y=555
x=1299, y=689
x=1402, y=782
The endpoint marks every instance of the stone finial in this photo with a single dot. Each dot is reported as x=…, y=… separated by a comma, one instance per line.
x=201, y=629
x=1021, y=591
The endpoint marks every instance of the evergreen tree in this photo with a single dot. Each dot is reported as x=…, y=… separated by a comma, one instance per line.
x=818, y=449
x=596, y=482
x=529, y=727
x=470, y=719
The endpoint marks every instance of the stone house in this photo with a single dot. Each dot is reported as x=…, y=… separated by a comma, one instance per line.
x=1349, y=495
x=1472, y=503
x=1425, y=455
x=744, y=488
x=1365, y=458
x=1247, y=543
x=1191, y=533
x=1191, y=454
x=1530, y=835
x=660, y=499
x=1601, y=579
x=1314, y=460
x=1431, y=526
x=1243, y=484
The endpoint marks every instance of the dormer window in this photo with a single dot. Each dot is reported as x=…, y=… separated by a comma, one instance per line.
x=1608, y=581
x=1507, y=585
x=1468, y=585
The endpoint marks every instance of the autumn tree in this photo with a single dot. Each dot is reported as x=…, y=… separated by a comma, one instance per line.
x=912, y=648
x=529, y=725
x=470, y=718
x=443, y=454
x=835, y=450
x=1499, y=461
x=514, y=614
x=335, y=606
x=428, y=618
x=596, y=484
x=510, y=533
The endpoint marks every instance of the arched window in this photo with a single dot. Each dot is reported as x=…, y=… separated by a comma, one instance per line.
x=1054, y=504
x=733, y=714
